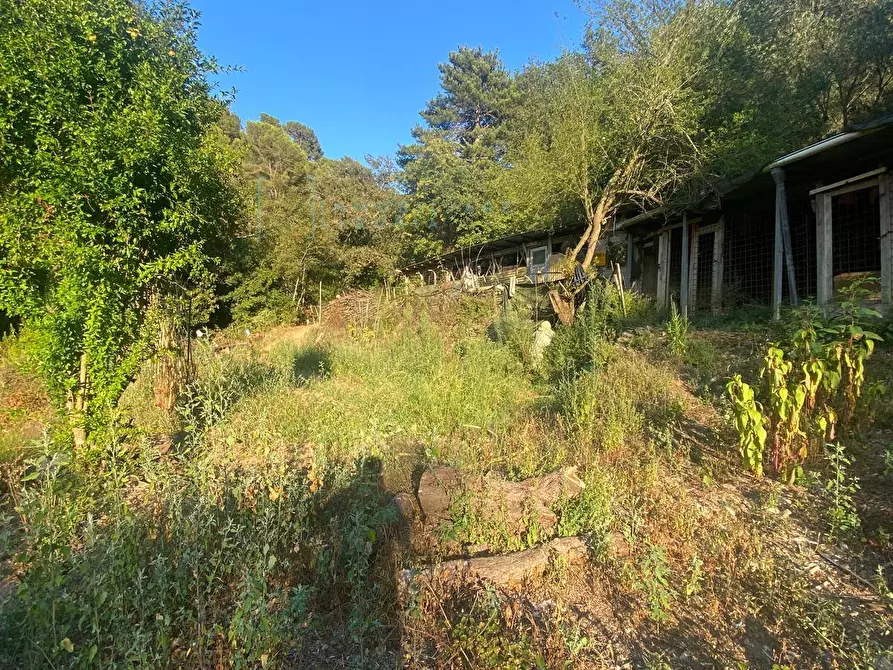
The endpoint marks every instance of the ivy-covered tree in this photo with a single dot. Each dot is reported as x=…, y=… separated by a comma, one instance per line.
x=111, y=185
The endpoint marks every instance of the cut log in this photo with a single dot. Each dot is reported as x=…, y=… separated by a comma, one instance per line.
x=507, y=570
x=517, y=505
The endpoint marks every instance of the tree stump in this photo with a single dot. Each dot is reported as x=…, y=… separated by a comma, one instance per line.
x=517, y=505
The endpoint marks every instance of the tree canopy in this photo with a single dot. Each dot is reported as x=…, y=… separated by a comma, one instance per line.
x=110, y=181
x=663, y=100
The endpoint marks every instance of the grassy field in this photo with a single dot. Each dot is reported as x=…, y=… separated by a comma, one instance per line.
x=256, y=527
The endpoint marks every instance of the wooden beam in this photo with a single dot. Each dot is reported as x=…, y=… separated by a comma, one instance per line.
x=683, y=280
x=781, y=214
x=716, y=292
x=663, y=268
x=885, y=201
x=851, y=180
x=824, y=251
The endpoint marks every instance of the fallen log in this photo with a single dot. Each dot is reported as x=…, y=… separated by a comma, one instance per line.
x=444, y=491
x=506, y=570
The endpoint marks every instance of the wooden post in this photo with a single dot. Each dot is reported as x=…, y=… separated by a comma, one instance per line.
x=663, y=268
x=619, y=279
x=885, y=195
x=781, y=216
x=824, y=250
x=320, y=302
x=778, y=262
x=716, y=292
x=630, y=259
x=683, y=280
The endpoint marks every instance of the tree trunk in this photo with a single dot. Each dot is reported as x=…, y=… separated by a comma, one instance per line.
x=508, y=570
x=517, y=505
x=77, y=404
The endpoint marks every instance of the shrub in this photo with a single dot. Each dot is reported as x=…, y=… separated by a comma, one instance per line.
x=582, y=345
x=607, y=406
x=205, y=568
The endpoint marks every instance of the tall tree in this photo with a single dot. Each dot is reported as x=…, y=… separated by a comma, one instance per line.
x=450, y=172
x=326, y=222
x=787, y=73
x=111, y=185
x=305, y=138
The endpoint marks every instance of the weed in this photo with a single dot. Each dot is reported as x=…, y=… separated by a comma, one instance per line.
x=677, y=332
x=514, y=328
x=588, y=513
x=843, y=517
x=654, y=580
x=750, y=423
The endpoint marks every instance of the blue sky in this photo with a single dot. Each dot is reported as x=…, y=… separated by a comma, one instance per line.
x=358, y=73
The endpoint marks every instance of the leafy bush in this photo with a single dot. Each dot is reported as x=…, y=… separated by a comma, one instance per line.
x=514, y=328
x=133, y=192
x=203, y=568
x=809, y=387
x=582, y=345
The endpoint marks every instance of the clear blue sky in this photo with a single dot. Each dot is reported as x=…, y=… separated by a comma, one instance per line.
x=358, y=73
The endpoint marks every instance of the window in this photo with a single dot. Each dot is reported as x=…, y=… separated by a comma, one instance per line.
x=538, y=257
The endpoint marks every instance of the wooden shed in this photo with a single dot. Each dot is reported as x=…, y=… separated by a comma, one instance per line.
x=800, y=227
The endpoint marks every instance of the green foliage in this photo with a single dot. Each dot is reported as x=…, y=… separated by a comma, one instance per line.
x=450, y=173
x=677, y=331
x=750, y=423
x=109, y=181
x=607, y=407
x=514, y=328
x=808, y=390
x=480, y=636
x=582, y=345
x=312, y=220
x=160, y=576
x=843, y=518
x=654, y=580
x=590, y=512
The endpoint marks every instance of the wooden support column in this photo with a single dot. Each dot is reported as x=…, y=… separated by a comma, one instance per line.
x=777, y=263
x=885, y=200
x=716, y=292
x=663, y=269
x=783, y=225
x=824, y=257
x=630, y=260
x=683, y=280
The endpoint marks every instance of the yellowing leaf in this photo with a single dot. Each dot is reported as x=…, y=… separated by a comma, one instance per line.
x=67, y=645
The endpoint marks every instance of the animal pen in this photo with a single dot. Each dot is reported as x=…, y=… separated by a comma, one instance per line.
x=803, y=227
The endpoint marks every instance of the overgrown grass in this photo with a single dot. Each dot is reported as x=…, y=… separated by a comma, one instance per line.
x=264, y=535
x=415, y=391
